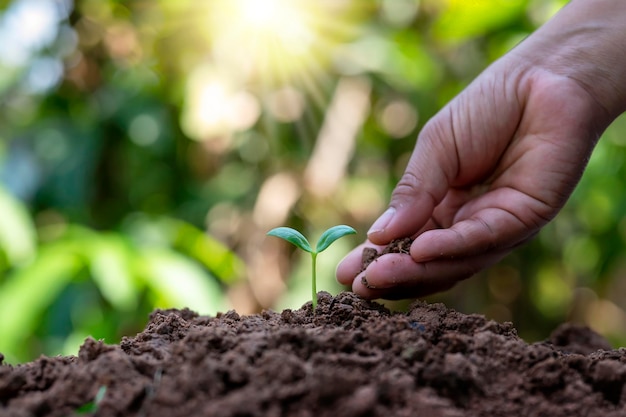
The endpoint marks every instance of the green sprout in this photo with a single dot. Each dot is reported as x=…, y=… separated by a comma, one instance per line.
x=92, y=406
x=326, y=239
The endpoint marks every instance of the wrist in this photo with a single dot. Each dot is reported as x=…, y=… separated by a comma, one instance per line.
x=585, y=42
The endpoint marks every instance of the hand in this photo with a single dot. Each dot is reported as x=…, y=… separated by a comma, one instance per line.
x=490, y=169
x=500, y=160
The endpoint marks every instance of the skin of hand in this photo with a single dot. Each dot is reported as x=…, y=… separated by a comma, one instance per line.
x=502, y=158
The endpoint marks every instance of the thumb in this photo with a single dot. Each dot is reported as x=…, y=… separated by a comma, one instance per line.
x=422, y=187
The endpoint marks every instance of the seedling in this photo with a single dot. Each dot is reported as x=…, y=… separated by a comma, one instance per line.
x=326, y=239
x=92, y=406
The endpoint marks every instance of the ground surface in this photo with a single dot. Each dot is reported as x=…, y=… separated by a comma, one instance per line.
x=350, y=358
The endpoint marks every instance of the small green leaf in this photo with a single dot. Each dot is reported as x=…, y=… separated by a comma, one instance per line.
x=92, y=406
x=332, y=234
x=292, y=236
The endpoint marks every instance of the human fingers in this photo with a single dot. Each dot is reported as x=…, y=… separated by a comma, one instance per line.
x=352, y=263
x=398, y=276
x=530, y=184
x=458, y=147
x=501, y=220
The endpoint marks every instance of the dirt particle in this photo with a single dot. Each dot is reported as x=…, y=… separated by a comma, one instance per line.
x=369, y=255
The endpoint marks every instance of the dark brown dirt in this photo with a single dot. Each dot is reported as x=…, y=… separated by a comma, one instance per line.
x=351, y=358
x=369, y=255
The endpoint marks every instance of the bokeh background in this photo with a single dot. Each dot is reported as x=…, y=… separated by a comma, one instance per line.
x=147, y=146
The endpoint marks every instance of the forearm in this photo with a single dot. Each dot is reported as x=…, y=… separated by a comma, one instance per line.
x=585, y=41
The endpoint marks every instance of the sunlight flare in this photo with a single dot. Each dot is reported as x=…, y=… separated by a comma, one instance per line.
x=273, y=42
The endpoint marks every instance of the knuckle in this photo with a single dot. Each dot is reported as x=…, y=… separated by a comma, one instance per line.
x=408, y=185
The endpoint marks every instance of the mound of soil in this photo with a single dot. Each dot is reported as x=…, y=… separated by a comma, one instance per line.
x=349, y=358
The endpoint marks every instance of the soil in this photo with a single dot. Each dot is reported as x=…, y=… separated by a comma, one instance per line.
x=369, y=255
x=350, y=357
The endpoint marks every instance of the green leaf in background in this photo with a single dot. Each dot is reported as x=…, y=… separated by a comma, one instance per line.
x=17, y=231
x=332, y=234
x=29, y=291
x=292, y=236
x=464, y=19
x=178, y=282
x=187, y=239
x=213, y=254
x=110, y=265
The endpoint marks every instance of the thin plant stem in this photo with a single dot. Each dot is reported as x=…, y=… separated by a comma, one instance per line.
x=313, y=280
x=326, y=239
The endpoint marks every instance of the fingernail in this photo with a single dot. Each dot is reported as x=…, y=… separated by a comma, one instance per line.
x=381, y=223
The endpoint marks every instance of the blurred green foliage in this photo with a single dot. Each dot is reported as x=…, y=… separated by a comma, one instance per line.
x=146, y=148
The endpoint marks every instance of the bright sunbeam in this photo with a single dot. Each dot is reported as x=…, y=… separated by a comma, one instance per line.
x=277, y=21
x=264, y=15
x=279, y=52
x=275, y=41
